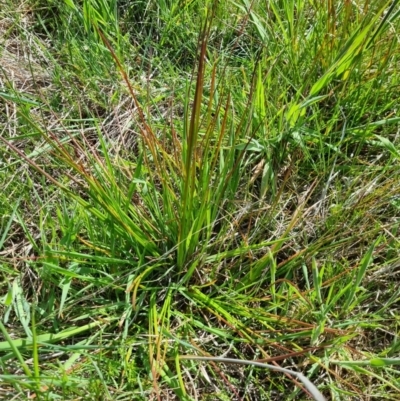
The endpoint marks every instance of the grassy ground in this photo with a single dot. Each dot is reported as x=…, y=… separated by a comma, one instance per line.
x=184, y=179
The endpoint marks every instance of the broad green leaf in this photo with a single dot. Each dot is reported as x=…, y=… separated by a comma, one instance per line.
x=48, y=338
x=384, y=142
x=22, y=307
x=18, y=99
x=65, y=286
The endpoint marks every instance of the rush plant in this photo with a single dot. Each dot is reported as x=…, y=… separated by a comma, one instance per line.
x=194, y=191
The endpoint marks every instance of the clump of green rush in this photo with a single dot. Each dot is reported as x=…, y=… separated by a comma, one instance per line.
x=199, y=200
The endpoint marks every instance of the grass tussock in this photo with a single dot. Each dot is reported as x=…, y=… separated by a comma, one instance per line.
x=195, y=192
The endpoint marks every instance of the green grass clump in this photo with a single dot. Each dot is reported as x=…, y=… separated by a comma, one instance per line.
x=196, y=190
